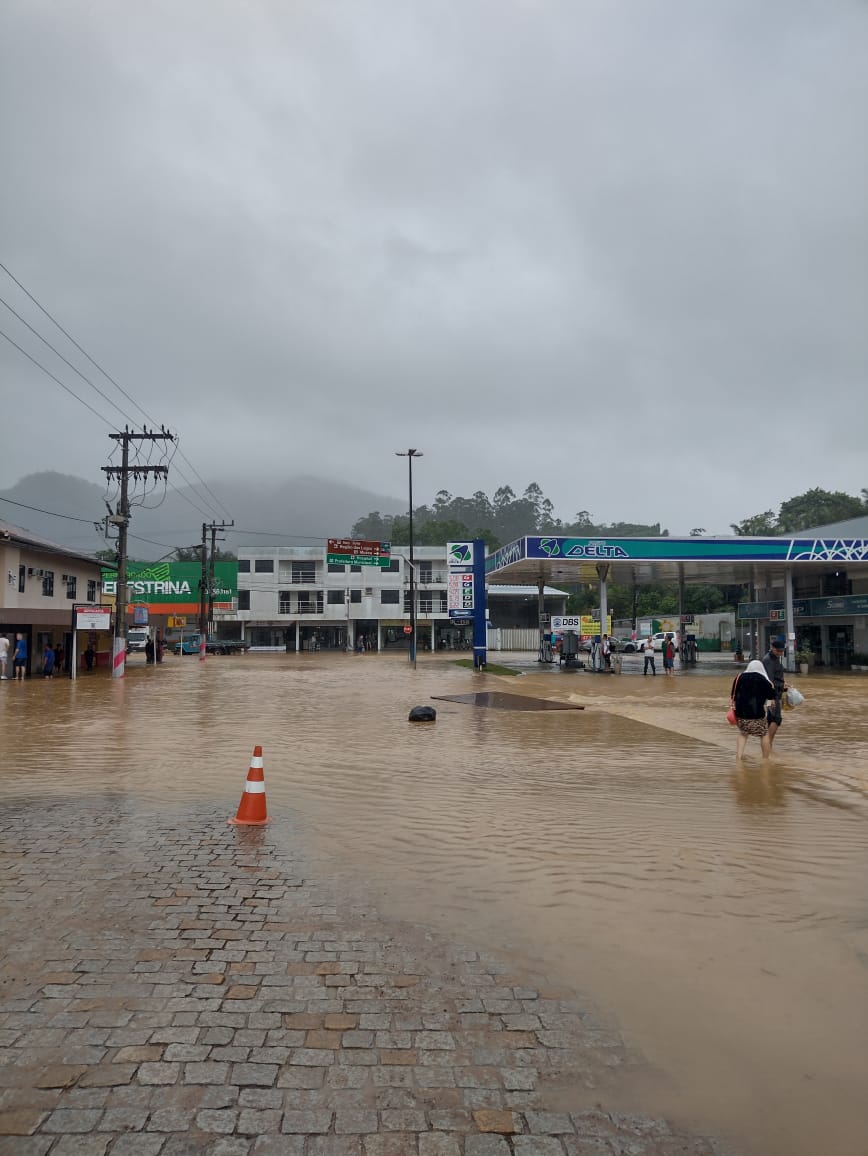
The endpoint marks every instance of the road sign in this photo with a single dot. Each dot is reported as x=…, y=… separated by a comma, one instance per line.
x=176, y=621
x=357, y=552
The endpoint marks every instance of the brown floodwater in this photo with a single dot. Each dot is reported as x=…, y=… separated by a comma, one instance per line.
x=718, y=914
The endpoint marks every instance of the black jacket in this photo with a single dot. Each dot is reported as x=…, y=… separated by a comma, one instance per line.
x=751, y=692
x=775, y=671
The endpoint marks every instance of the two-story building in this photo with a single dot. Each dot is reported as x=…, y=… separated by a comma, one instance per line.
x=40, y=581
x=291, y=598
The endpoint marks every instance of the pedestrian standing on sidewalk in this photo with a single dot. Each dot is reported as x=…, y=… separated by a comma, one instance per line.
x=648, y=652
x=19, y=657
x=4, y=656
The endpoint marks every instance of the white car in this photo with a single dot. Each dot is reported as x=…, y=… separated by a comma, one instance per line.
x=658, y=638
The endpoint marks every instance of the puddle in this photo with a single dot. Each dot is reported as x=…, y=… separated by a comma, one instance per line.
x=499, y=700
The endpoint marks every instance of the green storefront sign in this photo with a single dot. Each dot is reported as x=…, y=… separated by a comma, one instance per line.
x=174, y=587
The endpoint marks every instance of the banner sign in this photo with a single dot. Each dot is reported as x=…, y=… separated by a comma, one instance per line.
x=87, y=616
x=357, y=552
x=805, y=608
x=736, y=549
x=173, y=587
x=140, y=615
x=587, y=625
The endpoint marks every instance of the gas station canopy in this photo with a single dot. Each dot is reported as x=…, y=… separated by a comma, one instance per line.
x=712, y=561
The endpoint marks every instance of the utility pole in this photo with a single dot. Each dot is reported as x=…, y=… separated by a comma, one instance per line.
x=203, y=596
x=121, y=519
x=214, y=527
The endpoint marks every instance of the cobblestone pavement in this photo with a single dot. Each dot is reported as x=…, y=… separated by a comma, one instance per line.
x=172, y=985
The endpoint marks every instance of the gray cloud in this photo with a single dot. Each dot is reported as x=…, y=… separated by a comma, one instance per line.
x=527, y=237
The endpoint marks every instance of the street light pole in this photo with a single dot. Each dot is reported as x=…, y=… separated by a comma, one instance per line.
x=409, y=455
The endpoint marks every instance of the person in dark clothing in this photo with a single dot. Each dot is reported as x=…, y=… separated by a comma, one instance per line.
x=89, y=657
x=774, y=668
x=750, y=691
x=149, y=652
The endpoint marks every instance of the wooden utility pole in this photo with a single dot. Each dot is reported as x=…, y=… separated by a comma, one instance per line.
x=121, y=519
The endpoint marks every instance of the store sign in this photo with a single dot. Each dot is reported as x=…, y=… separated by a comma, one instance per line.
x=87, y=616
x=586, y=625
x=174, y=587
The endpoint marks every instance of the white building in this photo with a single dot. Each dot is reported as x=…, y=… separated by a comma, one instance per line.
x=290, y=598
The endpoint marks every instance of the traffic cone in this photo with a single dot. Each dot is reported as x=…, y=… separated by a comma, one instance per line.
x=252, y=811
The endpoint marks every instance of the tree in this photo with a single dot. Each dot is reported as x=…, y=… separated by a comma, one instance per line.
x=817, y=508
x=760, y=525
x=194, y=554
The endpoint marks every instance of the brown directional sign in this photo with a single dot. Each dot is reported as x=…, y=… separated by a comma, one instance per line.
x=358, y=552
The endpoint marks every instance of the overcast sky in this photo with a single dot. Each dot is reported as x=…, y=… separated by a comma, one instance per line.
x=617, y=248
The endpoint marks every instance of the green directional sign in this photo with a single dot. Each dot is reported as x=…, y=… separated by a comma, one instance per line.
x=357, y=552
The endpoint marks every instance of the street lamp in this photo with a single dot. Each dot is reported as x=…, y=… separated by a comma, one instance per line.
x=409, y=455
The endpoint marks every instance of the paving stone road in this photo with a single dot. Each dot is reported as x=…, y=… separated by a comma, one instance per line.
x=173, y=985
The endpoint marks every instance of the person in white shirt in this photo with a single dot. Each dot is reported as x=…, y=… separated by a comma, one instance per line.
x=648, y=652
x=4, y=654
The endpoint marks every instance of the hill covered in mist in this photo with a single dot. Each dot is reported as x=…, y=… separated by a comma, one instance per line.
x=297, y=510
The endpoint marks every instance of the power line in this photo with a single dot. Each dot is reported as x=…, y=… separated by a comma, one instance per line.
x=105, y=374
x=71, y=392
x=69, y=337
x=66, y=360
x=52, y=513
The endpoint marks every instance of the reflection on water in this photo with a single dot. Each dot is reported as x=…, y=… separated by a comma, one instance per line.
x=718, y=912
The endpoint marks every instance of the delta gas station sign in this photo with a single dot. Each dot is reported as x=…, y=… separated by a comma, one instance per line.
x=174, y=587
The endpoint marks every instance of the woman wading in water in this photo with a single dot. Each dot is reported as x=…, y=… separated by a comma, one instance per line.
x=750, y=692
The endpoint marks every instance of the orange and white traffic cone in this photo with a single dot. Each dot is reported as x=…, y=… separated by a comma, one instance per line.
x=252, y=811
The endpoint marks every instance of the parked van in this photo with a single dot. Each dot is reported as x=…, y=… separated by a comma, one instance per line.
x=137, y=636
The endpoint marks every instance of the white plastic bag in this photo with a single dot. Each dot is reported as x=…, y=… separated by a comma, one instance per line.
x=795, y=697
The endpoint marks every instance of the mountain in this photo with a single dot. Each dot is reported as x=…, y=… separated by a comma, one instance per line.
x=296, y=511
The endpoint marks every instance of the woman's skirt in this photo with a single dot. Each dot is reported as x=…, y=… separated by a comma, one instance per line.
x=753, y=726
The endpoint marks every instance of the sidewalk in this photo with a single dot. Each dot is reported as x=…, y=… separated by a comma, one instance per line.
x=173, y=985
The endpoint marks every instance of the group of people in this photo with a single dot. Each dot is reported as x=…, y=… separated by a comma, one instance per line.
x=154, y=650
x=649, y=656
x=19, y=656
x=53, y=658
x=757, y=694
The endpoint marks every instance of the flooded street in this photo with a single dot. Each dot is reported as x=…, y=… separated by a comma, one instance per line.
x=718, y=915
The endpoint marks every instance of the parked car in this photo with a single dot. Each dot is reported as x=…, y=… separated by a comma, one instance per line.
x=627, y=645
